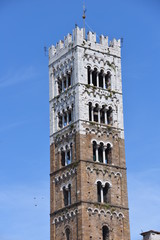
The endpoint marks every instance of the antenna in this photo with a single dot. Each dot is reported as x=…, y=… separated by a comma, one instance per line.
x=122, y=40
x=84, y=17
x=45, y=50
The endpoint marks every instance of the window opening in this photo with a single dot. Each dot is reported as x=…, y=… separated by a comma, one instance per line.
x=101, y=79
x=59, y=86
x=108, y=80
x=69, y=80
x=68, y=233
x=96, y=113
x=108, y=154
x=90, y=111
x=102, y=115
x=94, y=150
x=65, y=119
x=94, y=77
x=65, y=194
x=109, y=116
x=69, y=194
x=105, y=233
x=65, y=84
x=63, y=158
x=60, y=121
x=99, y=186
x=68, y=158
x=88, y=73
x=70, y=116
x=100, y=153
x=106, y=193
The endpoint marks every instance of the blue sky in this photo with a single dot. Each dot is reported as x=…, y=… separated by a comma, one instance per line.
x=25, y=27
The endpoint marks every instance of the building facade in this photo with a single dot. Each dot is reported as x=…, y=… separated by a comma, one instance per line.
x=88, y=185
x=151, y=235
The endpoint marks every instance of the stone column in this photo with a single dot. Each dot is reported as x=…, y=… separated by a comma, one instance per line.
x=56, y=88
x=104, y=155
x=56, y=123
x=65, y=157
x=97, y=79
x=71, y=154
x=91, y=82
x=104, y=81
x=67, y=118
x=69, y=196
x=62, y=85
x=99, y=117
x=105, y=114
x=92, y=114
x=97, y=154
x=102, y=200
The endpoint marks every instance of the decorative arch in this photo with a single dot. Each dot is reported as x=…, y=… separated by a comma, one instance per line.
x=103, y=182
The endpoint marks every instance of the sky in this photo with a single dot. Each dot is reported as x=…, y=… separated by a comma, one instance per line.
x=25, y=28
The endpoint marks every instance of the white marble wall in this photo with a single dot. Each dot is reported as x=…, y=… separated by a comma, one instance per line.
x=75, y=54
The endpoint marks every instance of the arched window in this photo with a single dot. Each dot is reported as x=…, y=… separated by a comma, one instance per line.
x=59, y=120
x=65, y=84
x=68, y=234
x=95, y=113
x=105, y=233
x=65, y=119
x=102, y=114
x=88, y=73
x=106, y=193
x=108, y=154
x=110, y=116
x=62, y=158
x=94, y=77
x=90, y=111
x=101, y=79
x=66, y=155
x=94, y=150
x=59, y=86
x=103, y=192
x=100, y=153
x=99, y=190
x=69, y=79
x=108, y=80
x=67, y=195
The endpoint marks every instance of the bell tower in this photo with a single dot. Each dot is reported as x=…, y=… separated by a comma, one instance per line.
x=88, y=185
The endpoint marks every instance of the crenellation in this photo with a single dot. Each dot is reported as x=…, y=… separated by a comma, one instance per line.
x=104, y=40
x=52, y=51
x=78, y=39
x=59, y=45
x=91, y=36
x=115, y=43
x=68, y=40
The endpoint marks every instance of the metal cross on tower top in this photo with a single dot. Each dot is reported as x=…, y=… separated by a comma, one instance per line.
x=84, y=17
